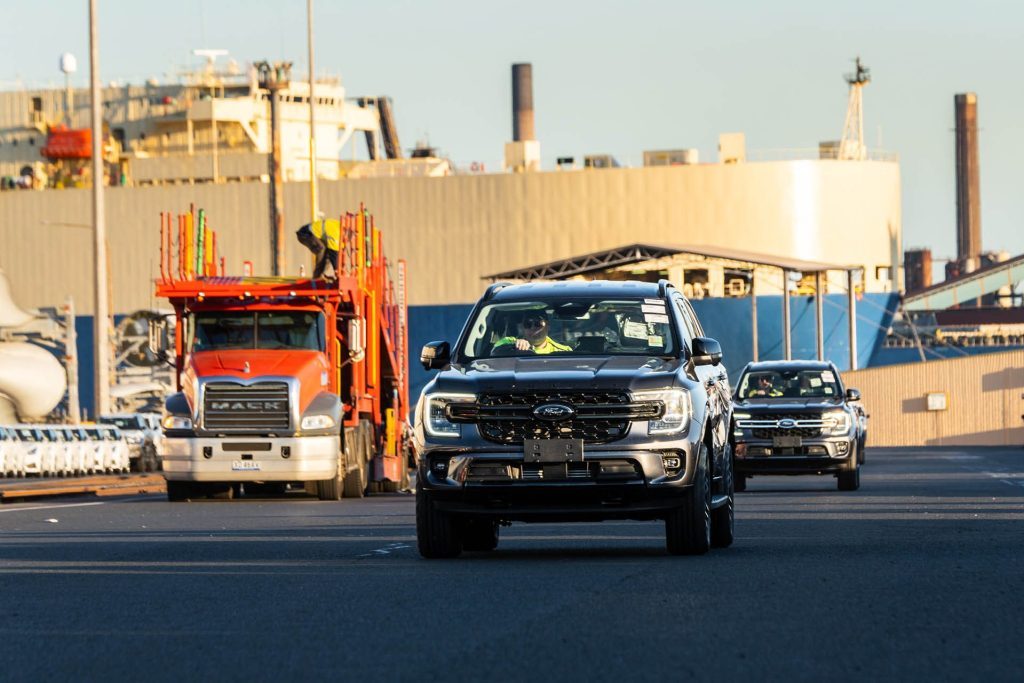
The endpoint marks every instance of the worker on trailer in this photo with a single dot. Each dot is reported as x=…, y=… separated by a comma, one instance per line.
x=322, y=237
x=534, y=336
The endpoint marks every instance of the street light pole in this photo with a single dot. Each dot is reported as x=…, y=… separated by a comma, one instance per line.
x=312, y=117
x=101, y=342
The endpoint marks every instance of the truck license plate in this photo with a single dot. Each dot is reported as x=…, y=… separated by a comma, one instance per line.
x=245, y=466
x=787, y=442
x=552, y=450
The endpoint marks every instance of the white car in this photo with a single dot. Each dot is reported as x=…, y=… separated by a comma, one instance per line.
x=77, y=451
x=96, y=451
x=117, y=453
x=33, y=443
x=11, y=453
x=143, y=433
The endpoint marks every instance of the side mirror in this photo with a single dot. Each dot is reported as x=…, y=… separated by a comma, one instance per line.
x=706, y=351
x=852, y=395
x=435, y=355
x=356, y=339
x=159, y=338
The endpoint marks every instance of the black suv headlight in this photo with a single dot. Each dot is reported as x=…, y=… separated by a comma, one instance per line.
x=678, y=411
x=435, y=418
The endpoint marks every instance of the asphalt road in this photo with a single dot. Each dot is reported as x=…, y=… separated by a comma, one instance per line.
x=918, y=575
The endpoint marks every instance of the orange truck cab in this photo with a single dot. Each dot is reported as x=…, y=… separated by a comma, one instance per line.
x=285, y=380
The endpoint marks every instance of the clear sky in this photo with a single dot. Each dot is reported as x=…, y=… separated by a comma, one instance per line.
x=613, y=77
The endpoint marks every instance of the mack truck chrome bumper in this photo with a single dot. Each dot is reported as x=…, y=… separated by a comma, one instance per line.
x=307, y=458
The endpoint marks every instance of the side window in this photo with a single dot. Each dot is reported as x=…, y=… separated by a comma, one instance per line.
x=685, y=330
x=698, y=330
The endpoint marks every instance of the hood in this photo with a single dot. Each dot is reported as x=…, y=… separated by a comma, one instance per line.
x=534, y=373
x=776, y=405
x=308, y=367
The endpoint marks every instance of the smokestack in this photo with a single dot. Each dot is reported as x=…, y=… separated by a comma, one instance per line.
x=522, y=102
x=968, y=184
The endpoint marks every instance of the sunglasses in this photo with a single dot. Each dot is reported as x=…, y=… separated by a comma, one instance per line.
x=533, y=322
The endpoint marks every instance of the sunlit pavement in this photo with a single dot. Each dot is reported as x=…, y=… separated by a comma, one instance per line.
x=917, y=575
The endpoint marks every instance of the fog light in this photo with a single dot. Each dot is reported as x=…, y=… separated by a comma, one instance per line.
x=441, y=467
x=286, y=451
x=671, y=462
x=842, y=447
x=207, y=452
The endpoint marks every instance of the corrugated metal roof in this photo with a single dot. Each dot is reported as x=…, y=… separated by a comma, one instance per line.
x=637, y=253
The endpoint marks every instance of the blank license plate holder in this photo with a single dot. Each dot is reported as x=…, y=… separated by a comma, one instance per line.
x=787, y=442
x=552, y=450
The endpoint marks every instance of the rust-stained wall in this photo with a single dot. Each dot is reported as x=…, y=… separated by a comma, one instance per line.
x=454, y=230
x=984, y=398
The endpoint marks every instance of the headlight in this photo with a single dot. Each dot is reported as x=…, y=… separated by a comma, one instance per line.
x=174, y=422
x=317, y=422
x=678, y=410
x=435, y=422
x=839, y=423
x=741, y=416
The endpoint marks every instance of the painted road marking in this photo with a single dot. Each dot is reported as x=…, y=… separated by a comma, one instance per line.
x=48, y=507
x=386, y=550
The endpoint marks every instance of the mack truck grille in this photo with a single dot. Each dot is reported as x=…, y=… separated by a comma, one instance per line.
x=261, y=407
x=598, y=416
x=767, y=425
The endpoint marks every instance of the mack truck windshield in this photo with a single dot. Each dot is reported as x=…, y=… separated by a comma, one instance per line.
x=283, y=380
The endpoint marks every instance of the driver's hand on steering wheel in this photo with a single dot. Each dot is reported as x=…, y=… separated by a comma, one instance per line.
x=523, y=345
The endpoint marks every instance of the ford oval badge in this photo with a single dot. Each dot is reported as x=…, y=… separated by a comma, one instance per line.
x=554, y=412
x=787, y=423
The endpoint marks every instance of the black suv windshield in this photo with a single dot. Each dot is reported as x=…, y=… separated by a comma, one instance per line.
x=567, y=327
x=219, y=330
x=816, y=383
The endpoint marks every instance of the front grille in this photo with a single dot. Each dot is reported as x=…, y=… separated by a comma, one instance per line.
x=765, y=425
x=246, y=408
x=490, y=472
x=600, y=416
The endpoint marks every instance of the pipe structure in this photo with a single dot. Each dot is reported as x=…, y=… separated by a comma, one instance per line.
x=753, y=315
x=313, y=209
x=101, y=312
x=522, y=102
x=851, y=304
x=274, y=78
x=787, y=346
x=819, y=295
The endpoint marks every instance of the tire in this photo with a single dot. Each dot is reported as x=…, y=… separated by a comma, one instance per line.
x=179, y=491
x=331, y=489
x=688, y=527
x=739, y=482
x=437, y=535
x=480, y=535
x=849, y=480
x=860, y=453
x=723, y=519
x=354, y=486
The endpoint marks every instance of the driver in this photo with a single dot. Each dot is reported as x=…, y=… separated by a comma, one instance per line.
x=534, y=336
x=765, y=388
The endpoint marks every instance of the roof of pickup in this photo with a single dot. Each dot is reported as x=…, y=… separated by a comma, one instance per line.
x=575, y=288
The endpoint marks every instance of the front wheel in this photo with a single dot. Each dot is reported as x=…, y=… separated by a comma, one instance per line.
x=688, y=527
x=849, y=480
x=437, y=534
x=723, y=519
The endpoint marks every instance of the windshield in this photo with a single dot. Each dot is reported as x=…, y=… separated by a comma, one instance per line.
x=220, y=330
x=577, y=327
x=788, y=384
x=122, y=422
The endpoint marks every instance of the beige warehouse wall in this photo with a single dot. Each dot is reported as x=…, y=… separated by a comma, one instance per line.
x=454, y=230
x=984, y=398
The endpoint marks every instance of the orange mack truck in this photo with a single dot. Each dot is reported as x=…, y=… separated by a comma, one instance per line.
x=283, y=380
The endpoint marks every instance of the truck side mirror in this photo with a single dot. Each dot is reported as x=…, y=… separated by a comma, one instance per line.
x=158, y=337
x=356, y=338
x=435, y=355
x=706, y=351
x=852, y=395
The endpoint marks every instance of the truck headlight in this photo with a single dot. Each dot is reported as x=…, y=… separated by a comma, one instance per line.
x=176, y=422
x=839, y=423
x=435, y=422
x=678, y=410
x=311, y=422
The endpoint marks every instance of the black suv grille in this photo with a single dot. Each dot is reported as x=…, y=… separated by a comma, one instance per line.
x=261, y=407
x=600, y=416
x=805, y=432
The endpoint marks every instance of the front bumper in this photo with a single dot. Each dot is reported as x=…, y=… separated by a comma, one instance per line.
x=605, y=484
x=309, y=458
x=814, y=456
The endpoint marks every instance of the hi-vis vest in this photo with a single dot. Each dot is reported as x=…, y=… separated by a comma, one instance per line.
x=333, y=232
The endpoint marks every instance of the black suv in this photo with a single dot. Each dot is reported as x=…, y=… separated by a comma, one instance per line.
x=795, y=417
x=574, y=401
